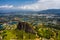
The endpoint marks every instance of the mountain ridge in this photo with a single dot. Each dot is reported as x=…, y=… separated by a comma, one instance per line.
x=48, y=11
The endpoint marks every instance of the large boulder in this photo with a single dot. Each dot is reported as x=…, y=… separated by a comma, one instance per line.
x=26, y=27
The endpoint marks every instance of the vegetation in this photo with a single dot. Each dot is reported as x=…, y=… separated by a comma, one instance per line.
x=30, y=29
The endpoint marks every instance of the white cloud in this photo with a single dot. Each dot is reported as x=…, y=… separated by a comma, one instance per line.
x=6, y=6
x=39, y=5
x=42, y=5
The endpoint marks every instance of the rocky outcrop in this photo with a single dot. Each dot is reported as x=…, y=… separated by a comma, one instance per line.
x=26, y=27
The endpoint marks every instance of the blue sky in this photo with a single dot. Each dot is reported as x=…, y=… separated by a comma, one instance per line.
x=16, y=2
x=35, y=5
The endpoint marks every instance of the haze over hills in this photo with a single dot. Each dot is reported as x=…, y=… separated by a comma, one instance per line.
x=48, y=11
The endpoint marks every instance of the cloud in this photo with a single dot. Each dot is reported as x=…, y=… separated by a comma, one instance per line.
x=37, y=6
x=42, y=5
x=6, y=6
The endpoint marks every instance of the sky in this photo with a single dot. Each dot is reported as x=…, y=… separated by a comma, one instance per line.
x=34, y=5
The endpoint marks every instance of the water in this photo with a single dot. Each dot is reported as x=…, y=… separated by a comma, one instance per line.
x=12, y=22
x=1, y=27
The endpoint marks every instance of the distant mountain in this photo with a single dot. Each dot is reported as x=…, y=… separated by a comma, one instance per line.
x=50, y=11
